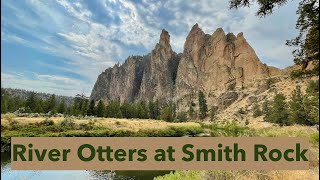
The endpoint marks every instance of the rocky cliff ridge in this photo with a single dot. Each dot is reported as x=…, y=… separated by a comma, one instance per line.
x=221, y=65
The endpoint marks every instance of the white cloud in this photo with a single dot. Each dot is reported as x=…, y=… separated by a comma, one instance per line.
x=67, y=29
x=44, y=83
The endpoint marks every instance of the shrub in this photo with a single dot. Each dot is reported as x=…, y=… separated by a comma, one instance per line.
x=8, y=116
x=256, y=110
x=47, y=122
x=242, y=111
x=68, y=124
x=270, y=81
x=296, y=74
x=182, y=116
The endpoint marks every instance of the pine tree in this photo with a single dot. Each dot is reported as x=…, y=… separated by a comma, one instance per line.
x=84, y=107
x=166, y=114
x=91, y=109
x=142, y=111
x=311, y=102
x=62, y=107
x=203, y=108
x=266, y=110
x=51, y=103
x=154, y=109
x=298, y=113
x=39, y=107
x=279, y=111
x=31, y=101
x=100, y=109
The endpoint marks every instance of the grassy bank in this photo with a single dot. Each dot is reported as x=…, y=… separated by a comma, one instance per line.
x=70, y=127
x=108, y=127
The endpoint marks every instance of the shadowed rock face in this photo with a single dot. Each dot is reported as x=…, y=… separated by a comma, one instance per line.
x=214, y=64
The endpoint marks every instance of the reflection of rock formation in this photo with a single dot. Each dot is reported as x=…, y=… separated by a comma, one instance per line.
x=215, y=64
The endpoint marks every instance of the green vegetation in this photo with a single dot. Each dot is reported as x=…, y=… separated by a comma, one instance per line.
x=182, y=175
x=301, y=109
x=82, y=107
x=256, y=110
x=278, y=111
x=213, y=113
x=203, y=108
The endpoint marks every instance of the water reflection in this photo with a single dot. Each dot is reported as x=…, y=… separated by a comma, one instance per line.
x=7, y=173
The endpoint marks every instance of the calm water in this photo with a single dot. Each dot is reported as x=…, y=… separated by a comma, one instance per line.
x=7, y=173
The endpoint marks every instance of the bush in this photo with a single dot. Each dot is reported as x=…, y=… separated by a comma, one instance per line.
x=46, y=122
x=256, y=110
x=270, y=81
x=242, y=111
x=296, y=74
x=68, y=124
x=8, y=116
x=182, y=116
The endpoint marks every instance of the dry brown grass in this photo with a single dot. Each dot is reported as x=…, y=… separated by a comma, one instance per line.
x=112, y=123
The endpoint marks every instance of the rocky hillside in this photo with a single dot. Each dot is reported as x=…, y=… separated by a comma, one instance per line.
x=224, y=66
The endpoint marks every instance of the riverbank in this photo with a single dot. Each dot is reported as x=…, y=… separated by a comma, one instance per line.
x=108, y=127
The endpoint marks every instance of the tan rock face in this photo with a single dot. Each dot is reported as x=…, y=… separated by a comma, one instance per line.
x=214, y=64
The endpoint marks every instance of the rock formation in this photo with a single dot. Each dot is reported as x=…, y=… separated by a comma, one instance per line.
x=219, y=65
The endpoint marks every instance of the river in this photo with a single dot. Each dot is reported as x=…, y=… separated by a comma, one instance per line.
x=7, y=173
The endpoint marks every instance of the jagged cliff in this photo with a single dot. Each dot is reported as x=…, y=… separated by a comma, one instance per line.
x=219, y=65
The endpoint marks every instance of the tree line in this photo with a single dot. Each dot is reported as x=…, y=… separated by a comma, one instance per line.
x=114, y=109
x=302, y=108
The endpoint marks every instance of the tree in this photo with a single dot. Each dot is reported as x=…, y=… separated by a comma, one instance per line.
x=307, y=42
x=182, y=116
x=142, y=110
x=100, y=109
x=279, y=113
x=4, y=101
x=203, y=108
x=166, y=113
x=91, y=109
x=298, y=113
x=154, y=109
x=39, y=107
x=113, y=110
x=266, y=110
x=51, y=103
x=311, y=102
x=191, y=111
x=31, y=101
x=84, y=107
x=213, y=113
x=256, y=110
x=62, y=107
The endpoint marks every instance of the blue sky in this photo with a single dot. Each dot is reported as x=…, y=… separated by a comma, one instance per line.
x=60, y=46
